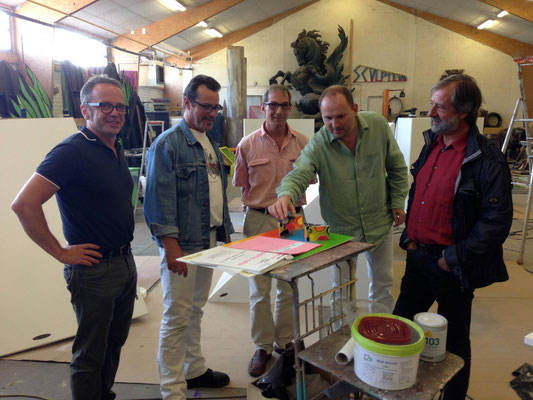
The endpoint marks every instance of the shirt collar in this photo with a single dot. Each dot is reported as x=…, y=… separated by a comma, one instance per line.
x=363, y=127
x=263, y=131
x=458, y=144
x=91, y=137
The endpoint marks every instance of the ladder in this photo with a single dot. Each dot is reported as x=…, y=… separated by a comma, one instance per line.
x=527, y=145
x=149, y=134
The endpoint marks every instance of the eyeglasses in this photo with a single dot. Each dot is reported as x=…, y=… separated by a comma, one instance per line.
x=273, y=106
x=208, y=107
x=107, y=108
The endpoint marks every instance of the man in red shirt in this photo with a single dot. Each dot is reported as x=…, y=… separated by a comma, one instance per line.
x=459, y=215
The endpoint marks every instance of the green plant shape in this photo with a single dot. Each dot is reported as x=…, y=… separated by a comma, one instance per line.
x=16, y=107
x=29, y=110
x=40, y=89
x=29, y=98
x=44, y=109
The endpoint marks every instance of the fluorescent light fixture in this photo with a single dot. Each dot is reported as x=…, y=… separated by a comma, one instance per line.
x=213, y=32
x=487, y=24
x=173, y=5
x=132, y=32
x=143, y=31
x=502, y=14
x=202, y=24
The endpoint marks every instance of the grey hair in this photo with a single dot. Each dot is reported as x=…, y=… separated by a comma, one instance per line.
x=466, y=96
x=276, y=87
x=87, y=89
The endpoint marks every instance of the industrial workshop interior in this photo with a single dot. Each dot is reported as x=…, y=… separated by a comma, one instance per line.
x=391, y=67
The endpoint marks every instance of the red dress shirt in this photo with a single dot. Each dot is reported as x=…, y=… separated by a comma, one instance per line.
x=431, y=210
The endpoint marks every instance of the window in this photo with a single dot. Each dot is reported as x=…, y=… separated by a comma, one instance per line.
x=78, y=49
x=5, y=32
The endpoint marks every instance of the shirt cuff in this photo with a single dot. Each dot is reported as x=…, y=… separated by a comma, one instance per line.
x=158, y=230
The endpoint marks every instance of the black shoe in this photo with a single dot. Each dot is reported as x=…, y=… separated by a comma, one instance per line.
x=210, y=379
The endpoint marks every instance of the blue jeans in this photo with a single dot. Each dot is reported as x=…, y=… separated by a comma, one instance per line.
x=423, y=283
x=102, y=297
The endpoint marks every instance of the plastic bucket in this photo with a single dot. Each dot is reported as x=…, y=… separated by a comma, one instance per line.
x=387, y=366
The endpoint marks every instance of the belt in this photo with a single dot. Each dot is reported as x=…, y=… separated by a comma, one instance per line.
x=119, y=252
x=430, y=249
x=265, y=210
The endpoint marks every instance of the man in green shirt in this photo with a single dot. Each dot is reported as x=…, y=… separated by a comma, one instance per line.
x=363, y=183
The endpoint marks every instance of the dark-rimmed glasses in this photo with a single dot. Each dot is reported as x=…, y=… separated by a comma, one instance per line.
x=273, y=106
x=208, y=107
x=107, y=108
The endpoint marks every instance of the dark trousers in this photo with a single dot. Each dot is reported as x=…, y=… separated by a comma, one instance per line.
x=425, y=282
x=102, y=297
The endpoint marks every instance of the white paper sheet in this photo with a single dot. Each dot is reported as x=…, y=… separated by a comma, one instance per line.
x=256, y=262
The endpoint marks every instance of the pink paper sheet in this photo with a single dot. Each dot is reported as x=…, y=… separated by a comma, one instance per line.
x=275, y=245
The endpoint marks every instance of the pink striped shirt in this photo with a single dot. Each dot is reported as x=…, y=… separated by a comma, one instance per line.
x=260, y=165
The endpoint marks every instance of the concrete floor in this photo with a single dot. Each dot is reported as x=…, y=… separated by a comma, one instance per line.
x=48, y=380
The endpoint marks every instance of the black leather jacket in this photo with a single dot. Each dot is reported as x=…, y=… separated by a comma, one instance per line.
x=482, y=211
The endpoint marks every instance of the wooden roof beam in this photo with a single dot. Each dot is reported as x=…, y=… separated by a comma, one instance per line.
x=52, y=11
x=520, y=8
x=208, y=48
x=514, y=48
x=168, y=27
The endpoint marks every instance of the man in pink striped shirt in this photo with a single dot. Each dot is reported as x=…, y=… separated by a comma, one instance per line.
x=263, y=158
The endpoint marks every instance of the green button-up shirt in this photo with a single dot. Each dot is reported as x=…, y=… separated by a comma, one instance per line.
x=357, y=192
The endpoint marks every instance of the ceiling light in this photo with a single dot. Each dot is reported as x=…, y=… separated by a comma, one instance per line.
x=173, y=5
x=502, y=14
x=202, y=24
x=143, y=31
x=213, y=32
x=487, y=24
x=132, y=32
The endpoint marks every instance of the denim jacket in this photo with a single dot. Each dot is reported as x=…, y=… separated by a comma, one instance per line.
x=176, y=199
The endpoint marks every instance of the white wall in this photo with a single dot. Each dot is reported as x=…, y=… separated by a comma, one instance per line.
x=383, y=38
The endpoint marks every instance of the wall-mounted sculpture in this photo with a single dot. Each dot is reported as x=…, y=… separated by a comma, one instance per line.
x=316, y=71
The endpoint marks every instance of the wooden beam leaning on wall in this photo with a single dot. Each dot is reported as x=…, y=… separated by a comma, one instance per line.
x=44, y=10
x=206, y=49
x=168, y=27
x=512, y=47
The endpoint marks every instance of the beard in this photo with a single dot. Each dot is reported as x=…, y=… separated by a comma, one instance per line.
x=440, y=127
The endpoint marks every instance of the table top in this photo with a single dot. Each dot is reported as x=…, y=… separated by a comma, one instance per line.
x=296, y=269
x=430, y=379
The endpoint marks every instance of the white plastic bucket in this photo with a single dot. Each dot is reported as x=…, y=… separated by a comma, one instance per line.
x=386, y=366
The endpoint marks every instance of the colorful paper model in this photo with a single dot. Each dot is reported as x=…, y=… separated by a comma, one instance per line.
x=316, y=232
x=291, y=223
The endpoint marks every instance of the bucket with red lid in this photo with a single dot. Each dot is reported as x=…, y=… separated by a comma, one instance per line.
x=387, y=350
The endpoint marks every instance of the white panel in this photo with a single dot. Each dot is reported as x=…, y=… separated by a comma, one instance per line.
x=34, y=299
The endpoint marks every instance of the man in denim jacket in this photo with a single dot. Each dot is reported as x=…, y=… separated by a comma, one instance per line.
x=186, y=210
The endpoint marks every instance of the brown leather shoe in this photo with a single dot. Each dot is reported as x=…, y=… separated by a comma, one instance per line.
x=258, y=363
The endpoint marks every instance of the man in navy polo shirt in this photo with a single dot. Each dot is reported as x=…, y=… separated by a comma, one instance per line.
x=90, y=178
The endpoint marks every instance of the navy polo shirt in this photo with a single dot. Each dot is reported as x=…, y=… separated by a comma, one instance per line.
x=95, y=189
